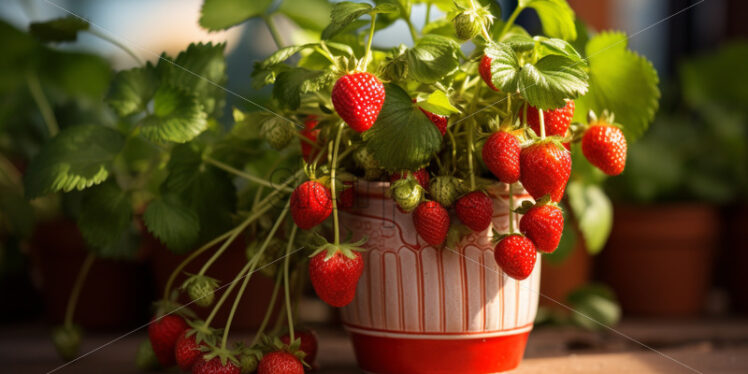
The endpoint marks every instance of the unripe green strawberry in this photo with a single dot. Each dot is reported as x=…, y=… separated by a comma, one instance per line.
x=467, y=25
x=365, y=160
x=67, y=341
x=446, y=189
x=201, y=289
x=145, y=358
x=407, y=193
x=248, y=363
x=278, y=132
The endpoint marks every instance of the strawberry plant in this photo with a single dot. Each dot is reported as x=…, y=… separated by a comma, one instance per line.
x=470, y=101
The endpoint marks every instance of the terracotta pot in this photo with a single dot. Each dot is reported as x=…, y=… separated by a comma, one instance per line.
x=420, y=309
x=114, y=295
x=256, y=297
x=659, y=258
x=736, y=245
x=559, y=280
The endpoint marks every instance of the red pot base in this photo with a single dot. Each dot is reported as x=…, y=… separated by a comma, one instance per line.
x=384, y=355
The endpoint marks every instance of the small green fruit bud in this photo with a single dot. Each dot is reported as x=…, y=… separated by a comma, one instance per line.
x=278, y=132
x=407, y=193
x=446, y=189
x=365, y=160
x=145, y=358
x=248, y=363
x=201, y=289
x=467, y=25
x=67, y=341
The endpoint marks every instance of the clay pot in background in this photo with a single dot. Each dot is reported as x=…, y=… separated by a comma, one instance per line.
x=115, y=294
x=560, y=279
x=255, y=300
x=659, y=258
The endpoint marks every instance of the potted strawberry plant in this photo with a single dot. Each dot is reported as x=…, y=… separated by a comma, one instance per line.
x=423, y=181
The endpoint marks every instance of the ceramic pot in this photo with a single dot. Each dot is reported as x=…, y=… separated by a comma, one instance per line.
x=420, y=309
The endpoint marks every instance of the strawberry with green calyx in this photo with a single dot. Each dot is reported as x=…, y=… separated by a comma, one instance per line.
x=475, y=210
x=421, y=175
x=277, y=131
x=604, y=146
x=67, y=340
x=163, y=331
x=445, y=189
x=407, y=193
x=308, y=150
x=556, y=121
x=545, y=167
x=145, y=358
x=367, y=162
x=311, y=204
x=200, y=289
x=334, y=271
x=307, y=344
x=516, y=255
x=358, y=97
x=282, y=358
x=501, y=154
x=543, y=223
x=215, y=366
x=249, y=360
x=440, y=122
x=484, y=69
x=192, y=343
x=431, y=221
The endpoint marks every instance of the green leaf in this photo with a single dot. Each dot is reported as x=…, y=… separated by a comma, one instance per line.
x=556, y=16
x=561, y=47
x=344, y=13
x=622, y=82
x=105, y=215
x=77, y=158
x=131, y=90
x=594, y=213
x=505, y=68
x=438, y=103
x=291, y=84
x=595, y=305
x=518, y=39
x=16, y=213
x=567, y=245
x=58, y=30
x=200, y=70
x=75, y=74
x=402, y=126
x=176, y=225
x=432, y=58
x=551, y=80
x=222, y=14
x=308, y=14
x=177, y=117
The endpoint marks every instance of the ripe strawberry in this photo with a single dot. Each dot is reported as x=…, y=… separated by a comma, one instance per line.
x=484, y=68
x=311, y=204
x=346, y=197
x=280, y=362
x=439, y=121
x=422, y=176
x=543, y=224
x=187, y=350
x=475, y=210
x=545, y=168
x=335, y=276
x=605, y=147
x=358, y=98
x=307, y=150
x=556, y=120
x=214, y=366
x=163, y=334
x=308, y=344
x=501, y=156
x=432, y=222
x=516, y=255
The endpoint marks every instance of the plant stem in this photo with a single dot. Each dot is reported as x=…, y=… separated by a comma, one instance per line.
x=117, y=44
x=412, y=29
x=542, y=123
x=333, y=183
x=244, y=175
x=274, y=31
x=286, y=285
x=428, y=13
x=367, y=54
x=470, y=154
x=268, y=311
x=524, y=115
x=48, y=114
x=511, y=209
x=73, y=301
x=511, y=20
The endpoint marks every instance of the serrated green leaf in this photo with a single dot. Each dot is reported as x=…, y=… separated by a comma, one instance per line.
x=77, y=158
x=344, y=13
x=561, y=47
x=200, y=70
x=441, y=26
x=432, y=58
x=172, y=222
x=402, y=138
x=622, y=82
x=518, y=39
x=594, y=213
x=556, y=16
x=177, y=117
x=222, y=14
x=291, y=84
x=551, y=80
x=58, y=30
x=131, y=90
x=105, y=215
x=505, y=68
x=438, y=103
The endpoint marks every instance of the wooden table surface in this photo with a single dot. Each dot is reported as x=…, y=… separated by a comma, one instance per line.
x=706, y=346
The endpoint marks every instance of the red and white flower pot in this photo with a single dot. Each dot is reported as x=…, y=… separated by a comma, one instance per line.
x=420, y=309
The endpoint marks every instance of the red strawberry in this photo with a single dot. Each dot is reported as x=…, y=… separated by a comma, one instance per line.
x=545, y=168
x=556, y=120
x=432, y=222
x=358, y=98
x=516, y=255
x=501, y=156
x=311, y=204
x=163, y=333
x=439, y=121
x=187, y=351
x=346, y=197
x=214, y=366
x=308, y=344
x=335, y=278
x=307, y=150
x=280, y=362
x=475, y=210
x=543, y=224
x=605, y=147
x=422, y=176
x=484, y=68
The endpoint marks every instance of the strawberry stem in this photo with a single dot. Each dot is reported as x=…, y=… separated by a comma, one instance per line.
x=45, y=108
x=77, y=286
x=542, y=123
x=286, y=285
x=268, y=311
x=273, y=30
x=510, y=21
x=367, y=54
x=244, y=175
x=511, y=210
x=470, y=155
x=333, y=184
x=116, y=43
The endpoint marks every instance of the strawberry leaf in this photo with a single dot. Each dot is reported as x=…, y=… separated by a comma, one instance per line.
x=177, y=116
x=291, y=84
x=222, y=14
x=505, y=66
x=131, y=90
x=105, y=218
x=438, y=103
x=594, y=213
x=175, y=224
x=58, y=30
x=309, y=14
x=344, y=13
x=551, y=80
x=549, y=46
x=622, y=82
x=433, y=57
x=77, y=158
x=556, y=16
x=402, y=138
